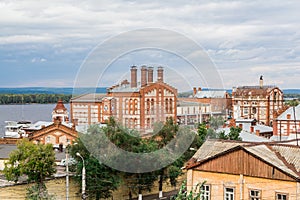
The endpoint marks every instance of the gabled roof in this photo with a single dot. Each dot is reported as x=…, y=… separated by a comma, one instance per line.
x=290, y=111
x=54, y=126
x=253, y=90
x=284, y=157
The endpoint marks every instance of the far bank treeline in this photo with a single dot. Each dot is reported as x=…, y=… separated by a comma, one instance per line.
x=33, y=98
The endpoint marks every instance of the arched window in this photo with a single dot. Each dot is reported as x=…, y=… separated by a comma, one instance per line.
x=126, y=106
x=148, y=106
x=167, y=105
x=171, y=106
x=152, y=106
x=135, y=106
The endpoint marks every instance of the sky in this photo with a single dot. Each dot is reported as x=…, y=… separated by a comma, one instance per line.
x=47, y=43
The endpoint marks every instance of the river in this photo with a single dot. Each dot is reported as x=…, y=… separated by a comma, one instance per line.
x=29, y=112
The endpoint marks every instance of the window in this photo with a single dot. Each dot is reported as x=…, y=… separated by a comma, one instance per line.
x=48, y=139
x=254, y=195
x=205, y=192
x=229, y=194
x=280, y=196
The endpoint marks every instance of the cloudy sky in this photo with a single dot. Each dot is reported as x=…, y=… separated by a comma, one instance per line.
x=44, y=43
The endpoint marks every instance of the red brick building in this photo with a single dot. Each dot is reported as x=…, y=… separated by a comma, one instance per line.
x=263, y=103
x=287, y=125
x=58, y=132
x=135, y=105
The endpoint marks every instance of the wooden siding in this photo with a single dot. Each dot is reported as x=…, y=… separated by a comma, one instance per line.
x=241, y=162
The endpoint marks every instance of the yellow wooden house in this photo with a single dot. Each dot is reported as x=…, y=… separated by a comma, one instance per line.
x=234, y=170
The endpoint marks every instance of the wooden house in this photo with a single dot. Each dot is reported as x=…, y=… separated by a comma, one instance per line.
x=243, y=170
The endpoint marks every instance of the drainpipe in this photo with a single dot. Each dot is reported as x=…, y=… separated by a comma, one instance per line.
x=241, y=183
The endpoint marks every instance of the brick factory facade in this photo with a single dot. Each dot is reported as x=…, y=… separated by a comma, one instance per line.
x=135, y=105
x=263, y=103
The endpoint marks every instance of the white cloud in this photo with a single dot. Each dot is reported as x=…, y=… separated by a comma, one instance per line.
x=37, y=60
x=237, y=34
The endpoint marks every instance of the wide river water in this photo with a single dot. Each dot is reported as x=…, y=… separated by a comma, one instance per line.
x=28, y=112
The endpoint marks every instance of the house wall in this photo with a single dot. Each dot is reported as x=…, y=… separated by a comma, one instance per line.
x=55, y=187
x=285, y=127
x=256, y=106
x=242, y=185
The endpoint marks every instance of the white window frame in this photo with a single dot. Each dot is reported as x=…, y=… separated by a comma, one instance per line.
x=205, y=192
x=281, y=194
x=255, y=196
x=229, y=195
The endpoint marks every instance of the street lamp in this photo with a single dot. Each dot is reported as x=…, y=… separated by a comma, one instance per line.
x=83, y=176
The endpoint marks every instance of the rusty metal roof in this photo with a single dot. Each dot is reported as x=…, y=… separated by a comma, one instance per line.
x=282, y=156
x=253, y=91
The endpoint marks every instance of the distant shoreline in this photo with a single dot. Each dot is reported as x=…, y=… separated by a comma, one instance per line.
x=84, y=90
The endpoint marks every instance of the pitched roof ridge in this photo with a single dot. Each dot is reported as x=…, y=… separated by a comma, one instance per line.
x=282, y=158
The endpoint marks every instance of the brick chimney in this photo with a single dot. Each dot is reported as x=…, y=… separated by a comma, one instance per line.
x=144, y=76
x=150, y=74
x=257, y=132
x=251, y=129
x=288, y=116
x=160, y=74
x=199, y=89
x=133, y=80
x=194, y=91
x=241, y=126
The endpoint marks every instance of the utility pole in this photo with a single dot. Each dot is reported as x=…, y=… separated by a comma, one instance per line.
x=67, y=173
x=83, y=177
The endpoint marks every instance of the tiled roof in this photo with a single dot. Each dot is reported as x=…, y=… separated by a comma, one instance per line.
x=283, y=156
x=211, y=148
x=60, y=106
x=290, y=111
x=253, y=90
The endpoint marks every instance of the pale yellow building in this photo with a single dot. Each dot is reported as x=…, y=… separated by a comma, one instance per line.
x=238, y=170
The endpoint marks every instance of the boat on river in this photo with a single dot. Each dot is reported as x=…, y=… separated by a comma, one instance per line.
x=14, y=129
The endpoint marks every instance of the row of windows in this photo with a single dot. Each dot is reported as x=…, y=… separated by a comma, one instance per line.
x=229, y=194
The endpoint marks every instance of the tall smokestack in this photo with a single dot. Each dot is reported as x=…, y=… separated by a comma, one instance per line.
x=133, y=81
x=261, y=82
x=143, y=76
x=150, y=74
x=160, y=74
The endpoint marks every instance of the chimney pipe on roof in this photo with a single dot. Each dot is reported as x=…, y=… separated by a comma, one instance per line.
x=150, y=74
x=144, y=76
x=257, y=132
x=194, y=91
x=160, y=74
x=133, y=81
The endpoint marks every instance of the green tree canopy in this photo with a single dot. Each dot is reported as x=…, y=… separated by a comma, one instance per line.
x=101, y=180
x=35, y=161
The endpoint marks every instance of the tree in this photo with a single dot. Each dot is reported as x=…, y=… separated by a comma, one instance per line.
x=36, y=161
x=234, y=133
x=165, y=133
x=194, y=194
x=101, y=180
x=216, y=122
